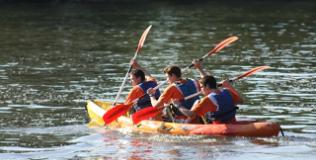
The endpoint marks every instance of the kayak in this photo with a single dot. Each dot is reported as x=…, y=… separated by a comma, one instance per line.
x=96, y=109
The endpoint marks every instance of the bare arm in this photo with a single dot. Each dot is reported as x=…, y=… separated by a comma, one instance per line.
x=154, y=101
x=198, y=67
x=135, y=65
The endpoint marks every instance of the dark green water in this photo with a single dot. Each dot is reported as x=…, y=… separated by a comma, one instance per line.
x=54, y=57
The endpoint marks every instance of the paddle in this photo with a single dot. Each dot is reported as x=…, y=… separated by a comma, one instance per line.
x=145, y=114
x=139, y=46
x=117, y=111
x=215, y=50
x=250, y=72
x=149, y=112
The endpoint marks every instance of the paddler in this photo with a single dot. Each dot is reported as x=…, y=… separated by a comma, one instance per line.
x=177, y=89
x=219, y=104
x=141, y=83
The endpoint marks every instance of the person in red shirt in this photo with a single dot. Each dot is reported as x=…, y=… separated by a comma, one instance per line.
x=177, y=90
x=137, y=96
x=219, y=104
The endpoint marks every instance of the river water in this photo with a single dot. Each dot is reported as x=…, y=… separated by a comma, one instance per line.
x=55, y=56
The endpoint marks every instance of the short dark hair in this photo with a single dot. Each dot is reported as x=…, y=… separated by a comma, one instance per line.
x=138, y=73
x=209, y=81
x=173, y=70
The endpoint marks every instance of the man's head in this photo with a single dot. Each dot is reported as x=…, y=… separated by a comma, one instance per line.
x=208, y=82
x=137, y=76
x=173, y=73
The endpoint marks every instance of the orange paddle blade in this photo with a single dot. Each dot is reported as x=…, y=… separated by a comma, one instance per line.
x=252, y=71
x=218, y=47
x=223, y=44
x=115, y=112
x=145, y=114
x=142, y=39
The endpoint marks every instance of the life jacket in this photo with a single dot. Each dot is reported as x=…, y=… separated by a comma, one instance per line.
x=226, y=109
x=187, y=88
x=144, y=101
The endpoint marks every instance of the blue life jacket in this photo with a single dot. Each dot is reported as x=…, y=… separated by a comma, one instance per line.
x=188, y=88
x=145, y=100
x=226, y=109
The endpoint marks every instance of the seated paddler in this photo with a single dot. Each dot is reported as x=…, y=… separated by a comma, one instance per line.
x=178, y=88
x=141, y=81
x=219, y=104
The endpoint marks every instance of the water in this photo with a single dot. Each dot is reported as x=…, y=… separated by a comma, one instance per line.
x=54, y=57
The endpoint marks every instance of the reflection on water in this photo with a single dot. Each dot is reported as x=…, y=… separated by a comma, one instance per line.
x=55, y=57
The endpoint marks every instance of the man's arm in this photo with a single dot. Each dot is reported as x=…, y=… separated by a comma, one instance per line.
x=134, y=94
x=164, y=98
x=135, y=65
x=198, y=67
x=236, y=96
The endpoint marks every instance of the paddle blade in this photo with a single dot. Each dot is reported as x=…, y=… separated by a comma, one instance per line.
x=115, y=112
x=252, y=71
x=142, y=39
x=222, y=44
x=145, y=114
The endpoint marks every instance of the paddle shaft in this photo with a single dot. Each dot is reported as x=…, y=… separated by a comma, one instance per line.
x=139, y=46
x=124, y=81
